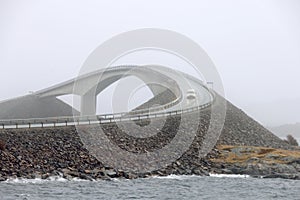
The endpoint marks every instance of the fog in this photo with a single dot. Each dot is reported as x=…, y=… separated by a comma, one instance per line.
x=254, y=44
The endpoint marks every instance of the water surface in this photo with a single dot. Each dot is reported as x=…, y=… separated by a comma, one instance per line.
x=170, y=187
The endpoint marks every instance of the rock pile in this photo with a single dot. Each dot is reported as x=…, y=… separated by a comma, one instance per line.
x=240, y=129
x=44, y=152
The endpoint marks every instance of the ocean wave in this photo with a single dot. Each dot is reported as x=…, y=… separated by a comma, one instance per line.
x=182, y=177
x=173, y=176
x=39, y=180
x=229, y=175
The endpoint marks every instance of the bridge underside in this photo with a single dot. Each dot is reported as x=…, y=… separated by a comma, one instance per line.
x=88, y=87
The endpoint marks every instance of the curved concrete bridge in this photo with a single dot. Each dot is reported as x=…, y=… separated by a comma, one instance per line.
x=157, y=78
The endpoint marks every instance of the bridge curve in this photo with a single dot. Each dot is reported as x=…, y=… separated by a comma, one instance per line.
x=88, y=86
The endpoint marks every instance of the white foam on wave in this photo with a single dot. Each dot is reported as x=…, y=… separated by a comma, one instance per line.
x=182, y=177
x=21, y=180
x=173, y=176
x=229, y=175
x=39, y=180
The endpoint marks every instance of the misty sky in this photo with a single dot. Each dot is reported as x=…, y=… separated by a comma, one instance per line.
x=254, y=44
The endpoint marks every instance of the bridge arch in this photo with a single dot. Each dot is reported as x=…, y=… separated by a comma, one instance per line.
x=122, y=95
x=90, y=85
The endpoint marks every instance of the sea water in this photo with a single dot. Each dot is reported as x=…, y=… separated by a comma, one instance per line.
x=169, y=187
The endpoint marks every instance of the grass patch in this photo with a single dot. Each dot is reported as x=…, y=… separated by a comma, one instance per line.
x=242, y=154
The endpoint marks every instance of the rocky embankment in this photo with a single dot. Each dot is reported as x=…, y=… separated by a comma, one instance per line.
x=240, y=129
x=44, y=152
x=40, y=153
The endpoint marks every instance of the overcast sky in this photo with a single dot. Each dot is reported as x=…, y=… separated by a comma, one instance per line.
x=254, y=44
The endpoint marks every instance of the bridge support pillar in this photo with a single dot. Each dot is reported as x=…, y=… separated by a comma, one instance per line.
x=156, y=89
x=88, y=103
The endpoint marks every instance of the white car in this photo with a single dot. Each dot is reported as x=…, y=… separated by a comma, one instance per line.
x=191, y=94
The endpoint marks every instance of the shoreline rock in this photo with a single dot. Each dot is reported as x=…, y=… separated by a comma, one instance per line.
x=257, y=162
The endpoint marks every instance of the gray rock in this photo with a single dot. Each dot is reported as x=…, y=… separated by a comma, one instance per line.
x=45, y=176
x=284, y=176
x=85, y=177
x=2, y=179
x=130, y=176
x=111, y=173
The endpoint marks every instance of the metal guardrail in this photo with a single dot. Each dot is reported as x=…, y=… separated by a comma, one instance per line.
x=88, y=120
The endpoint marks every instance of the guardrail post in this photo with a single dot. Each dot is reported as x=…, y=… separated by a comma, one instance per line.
x=16, y=125
x=42, y=124
x=29, y=125
x=3, y=126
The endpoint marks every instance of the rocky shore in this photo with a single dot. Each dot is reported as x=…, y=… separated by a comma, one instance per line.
x=244, y=147
x=257, y=162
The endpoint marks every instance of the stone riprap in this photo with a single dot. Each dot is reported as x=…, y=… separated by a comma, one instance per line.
x=44, y=152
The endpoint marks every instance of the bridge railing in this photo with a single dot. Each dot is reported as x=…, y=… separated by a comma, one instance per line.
x=87, y=120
